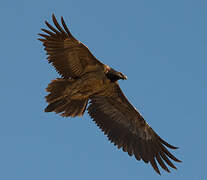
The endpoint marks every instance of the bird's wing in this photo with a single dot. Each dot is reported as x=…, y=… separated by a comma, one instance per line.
x=127, y=129
x=70, y=57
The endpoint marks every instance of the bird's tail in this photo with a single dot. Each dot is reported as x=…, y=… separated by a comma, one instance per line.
x=59, y=100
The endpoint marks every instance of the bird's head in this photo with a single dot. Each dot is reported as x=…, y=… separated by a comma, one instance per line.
x=114, y=75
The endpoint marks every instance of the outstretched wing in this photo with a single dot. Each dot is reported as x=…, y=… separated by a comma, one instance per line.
x=70, y=57
x=127, y=129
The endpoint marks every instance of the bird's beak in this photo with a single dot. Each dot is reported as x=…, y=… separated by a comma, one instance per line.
x=124, y=77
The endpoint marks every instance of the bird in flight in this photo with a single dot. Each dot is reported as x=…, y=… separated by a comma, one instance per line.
x=87, y=81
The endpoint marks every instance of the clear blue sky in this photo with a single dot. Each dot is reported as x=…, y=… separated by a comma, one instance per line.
x=160, y=45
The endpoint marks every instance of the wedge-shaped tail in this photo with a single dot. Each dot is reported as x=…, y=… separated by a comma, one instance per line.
x=60, y=102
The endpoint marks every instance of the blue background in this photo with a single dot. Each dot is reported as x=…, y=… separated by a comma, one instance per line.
x=160, y=45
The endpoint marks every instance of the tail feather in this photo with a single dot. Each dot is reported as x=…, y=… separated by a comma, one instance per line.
x=53, y=106
x=60, y=102
x=75, y=108
x=56, y=89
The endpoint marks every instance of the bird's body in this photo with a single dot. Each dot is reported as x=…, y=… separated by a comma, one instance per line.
x=85, y=79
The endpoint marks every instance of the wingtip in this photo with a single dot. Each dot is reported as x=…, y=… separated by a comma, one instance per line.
x=154, y=165
x=166, y=143
x=158, y=172
x=66, y=28
x=53, y=17
x=46, y=23
x=42, y=40
x=178, y=160
x=62, y=20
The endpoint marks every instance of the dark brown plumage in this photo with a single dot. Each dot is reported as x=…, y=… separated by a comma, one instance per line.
x=83, y=79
